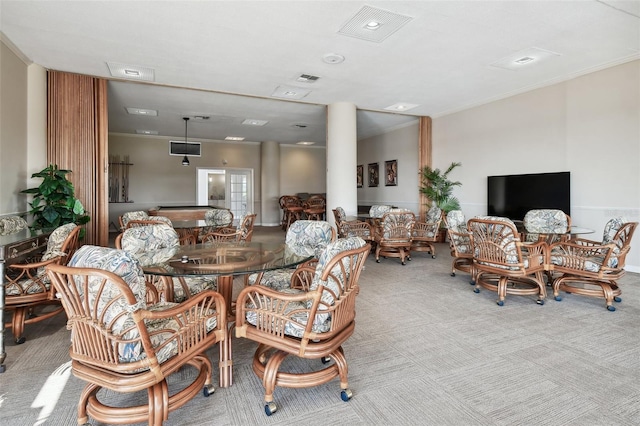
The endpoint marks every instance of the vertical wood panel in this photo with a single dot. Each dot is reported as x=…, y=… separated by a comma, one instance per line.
x=77, y=137
x=424, y=154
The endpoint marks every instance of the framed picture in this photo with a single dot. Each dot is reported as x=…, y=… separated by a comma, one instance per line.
x=360, y=175
x=374, y=174
x=391, y=173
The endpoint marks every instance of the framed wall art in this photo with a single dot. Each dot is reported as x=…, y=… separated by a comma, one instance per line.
x=374, y=174
x=391, y=173
x=360, y=175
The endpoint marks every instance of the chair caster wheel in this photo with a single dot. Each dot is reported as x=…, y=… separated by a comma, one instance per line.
x=377, y=260
x=403, y=263
x=557, y=298
x=433, y=256
x=208, y=390
x=325, y=359
x=540, y=302
x=611, y=308
x=453, y=274
x=476, y=290
x=472, y=283
x=500, y=302
x=21, y=340
x=346, y=394
x=2, y=368
x=270, y=408
x=617, y=299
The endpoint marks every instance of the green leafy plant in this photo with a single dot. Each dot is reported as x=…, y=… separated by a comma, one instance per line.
x=437, y=187
x=54, y=202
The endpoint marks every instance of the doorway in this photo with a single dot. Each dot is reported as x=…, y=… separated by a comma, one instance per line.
x=226, y=188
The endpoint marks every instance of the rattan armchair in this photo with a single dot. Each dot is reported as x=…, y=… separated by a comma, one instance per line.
x=393, y=236
x=460, y=243
x=311, y=320
x=160, y=239
x=124, y=219
x=27, y=286
x=425, y=233
x=351, y=228
x=304, y=237
x=120, y=343
x=314, y=207
x=501, y=264
x=593, y=268
x=216, y=219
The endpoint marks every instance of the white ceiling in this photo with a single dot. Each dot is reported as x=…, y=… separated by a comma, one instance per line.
x=449, y=56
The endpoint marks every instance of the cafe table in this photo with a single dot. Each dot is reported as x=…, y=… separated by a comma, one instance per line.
x=225, y=261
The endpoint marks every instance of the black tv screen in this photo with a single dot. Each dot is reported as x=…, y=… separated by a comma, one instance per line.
x=513, y=196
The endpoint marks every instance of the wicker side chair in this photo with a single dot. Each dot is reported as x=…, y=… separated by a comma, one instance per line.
x=593, y=268
x=222, y=235
x=311, y=320
x=304, y=237
x=500, y=262
x=118, y=342
x=216, y=219
x=425, y=233
x=460, y=243
x=351, y=228
x=162, y=240
x=134, y=215
x=186, y=236
x=315, y=207
x=293, y=209
x=12, y=224
x=27, y=286
x=393, y=235
x=245, y=226
x=548, y=225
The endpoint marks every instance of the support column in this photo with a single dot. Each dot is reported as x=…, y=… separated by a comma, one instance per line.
x=342, y=149
x=270, y=183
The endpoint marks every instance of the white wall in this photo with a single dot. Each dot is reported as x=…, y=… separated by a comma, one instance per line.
x=156, y=178
x=400, y=144
x=589, y=126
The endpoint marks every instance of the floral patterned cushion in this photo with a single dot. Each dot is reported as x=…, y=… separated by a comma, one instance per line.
x=135, y=215
x=610, y=230
x=56, y=240
x=12, y=224
x=456, y=221
x=218, y=217
x=434, y=214
x=544, y=221
x=342, y=216
x=309, y=237
x=507, y=239
x=395, y=218
x=378, y=210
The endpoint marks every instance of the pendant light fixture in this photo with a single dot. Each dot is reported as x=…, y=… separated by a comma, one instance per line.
x=185, y=159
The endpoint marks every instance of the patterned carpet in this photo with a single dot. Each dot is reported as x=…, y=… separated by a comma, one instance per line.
x=426, y=350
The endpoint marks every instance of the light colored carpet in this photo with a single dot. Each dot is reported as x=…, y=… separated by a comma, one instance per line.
x=426, y=350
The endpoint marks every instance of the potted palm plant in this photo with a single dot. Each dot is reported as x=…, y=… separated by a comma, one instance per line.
x=54, y=203
x=438, y=188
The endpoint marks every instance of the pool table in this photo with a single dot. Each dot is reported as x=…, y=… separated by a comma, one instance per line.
x=181, y=212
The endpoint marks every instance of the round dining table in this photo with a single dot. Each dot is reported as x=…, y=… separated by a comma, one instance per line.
x=225, y=261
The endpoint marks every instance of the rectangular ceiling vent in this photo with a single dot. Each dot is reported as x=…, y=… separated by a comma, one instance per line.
x=307, y=78
x=191, y=149
x=373, y=24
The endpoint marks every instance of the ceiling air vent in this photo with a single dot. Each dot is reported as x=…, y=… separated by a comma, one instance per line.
x=191, y=149
x=307, y=78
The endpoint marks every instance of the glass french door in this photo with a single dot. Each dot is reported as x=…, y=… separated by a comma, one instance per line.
x=228, y=188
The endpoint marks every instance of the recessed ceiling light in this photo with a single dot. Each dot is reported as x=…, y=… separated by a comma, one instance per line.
x=305, y=143
x=401, y=106
x=524, y=60
x=333, y=58
x=147, y=132
x=373, y=25
x=289, y=92
x=234, y=138
x=254, y=122
x=133, y=72
x=532, y=56
x=142, y=111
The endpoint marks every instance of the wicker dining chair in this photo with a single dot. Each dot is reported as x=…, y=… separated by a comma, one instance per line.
x=460, y=243
x=425, y=233
x=118, y=342
x=311, y=320
x=27, y=286
x=163, y=238
x=304, y=237
x=351, y=228
x=124, y=219
x=593, y=268
x=393, y=235
x=314, y=207
x=501, y=264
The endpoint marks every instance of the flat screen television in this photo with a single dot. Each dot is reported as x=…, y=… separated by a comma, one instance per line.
x=513, y=196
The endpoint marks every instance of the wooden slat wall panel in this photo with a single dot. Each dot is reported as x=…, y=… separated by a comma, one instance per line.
x=425, y=149
x=77, y=139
